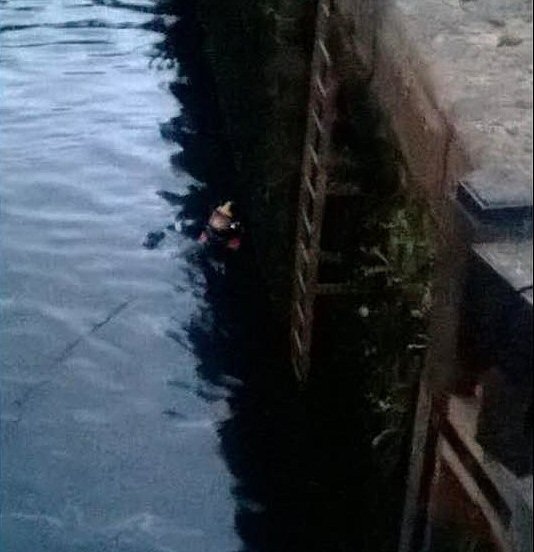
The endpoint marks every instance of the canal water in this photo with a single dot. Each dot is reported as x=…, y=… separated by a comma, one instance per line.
x=146, y=405
x=134, y=413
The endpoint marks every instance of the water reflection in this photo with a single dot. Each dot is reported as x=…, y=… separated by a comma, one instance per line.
x=109, y=437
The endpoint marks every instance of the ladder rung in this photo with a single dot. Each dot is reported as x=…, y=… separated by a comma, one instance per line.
x=300, y=312
x=320, y=86
x=300, y=280
x=304, y=253
x=309, y=186
x=307, y=223
x=296, y=337
x=324, y=51
x=297, y=367
x=318, y=123
x=314, y=155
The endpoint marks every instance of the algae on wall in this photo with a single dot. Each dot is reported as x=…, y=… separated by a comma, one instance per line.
x=260, y=52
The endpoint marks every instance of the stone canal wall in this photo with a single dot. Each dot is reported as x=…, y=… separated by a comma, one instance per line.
x=450, y=90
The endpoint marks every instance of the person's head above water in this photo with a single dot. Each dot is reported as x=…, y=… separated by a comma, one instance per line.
x=222, y=217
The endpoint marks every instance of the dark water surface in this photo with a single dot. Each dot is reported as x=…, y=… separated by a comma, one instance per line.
x=127, y=423
x=146, y=405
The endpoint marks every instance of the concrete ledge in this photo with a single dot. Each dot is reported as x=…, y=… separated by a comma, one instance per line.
x=454, y=80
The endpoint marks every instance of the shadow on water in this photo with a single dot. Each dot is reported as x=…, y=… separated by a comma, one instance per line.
x=295, y=457
x=241, y=356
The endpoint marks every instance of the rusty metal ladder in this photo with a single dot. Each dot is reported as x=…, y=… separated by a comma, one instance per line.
x=313, y=190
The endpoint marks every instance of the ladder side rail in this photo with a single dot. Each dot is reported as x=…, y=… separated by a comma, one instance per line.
x=312, y=193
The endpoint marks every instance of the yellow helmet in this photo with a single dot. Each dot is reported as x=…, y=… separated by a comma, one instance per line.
x=226, y=209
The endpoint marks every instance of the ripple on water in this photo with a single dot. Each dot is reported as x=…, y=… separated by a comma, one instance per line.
x=92, y=457
x=95, y=374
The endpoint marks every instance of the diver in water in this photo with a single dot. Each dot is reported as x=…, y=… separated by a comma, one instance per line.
x=222, y=228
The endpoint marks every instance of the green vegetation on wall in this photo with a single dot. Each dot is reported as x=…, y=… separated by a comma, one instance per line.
x=368, y=351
